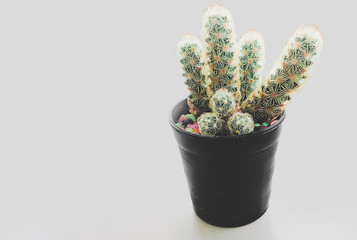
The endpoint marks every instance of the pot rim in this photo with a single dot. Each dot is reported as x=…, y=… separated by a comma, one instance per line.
x=260, y=132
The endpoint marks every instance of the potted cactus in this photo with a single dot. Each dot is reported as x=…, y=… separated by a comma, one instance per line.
x=228, y=127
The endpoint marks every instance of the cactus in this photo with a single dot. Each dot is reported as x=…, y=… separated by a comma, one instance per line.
x=225, y=77
x=210, y=124
x=251, y=60
x=189, y=53
x=288, y=74
x=240, y=123
x=219, y=45
x=223, y=103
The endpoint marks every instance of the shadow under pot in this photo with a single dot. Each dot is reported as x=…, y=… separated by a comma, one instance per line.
x=229, y=177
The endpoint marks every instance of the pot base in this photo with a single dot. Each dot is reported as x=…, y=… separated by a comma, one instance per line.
x=222, y=223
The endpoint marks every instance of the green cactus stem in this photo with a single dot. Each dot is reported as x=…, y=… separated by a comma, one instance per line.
x=209, y=124
x=189, y=53
x=223, y=103
x=288, y=75
x=240, y=123
x=219, y=45
x=251, y=59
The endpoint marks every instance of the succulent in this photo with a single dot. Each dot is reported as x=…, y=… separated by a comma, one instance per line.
x=189, y=53
x=223, y=103
x=241, y=123
x=288, y=74
x=251, y=61
x=220, y=49
x=210, y=124
x=225, y=77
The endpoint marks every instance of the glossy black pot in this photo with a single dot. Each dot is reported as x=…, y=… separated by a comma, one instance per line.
x=229, y=177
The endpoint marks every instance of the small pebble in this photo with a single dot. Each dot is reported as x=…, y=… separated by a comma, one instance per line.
x=265, y=124
x=191, y=125
x=187, y=121
x=273, y=122
x=191, y=116
x=189, y=129
x=179, y=125
x=196, y=130
x=182, y=118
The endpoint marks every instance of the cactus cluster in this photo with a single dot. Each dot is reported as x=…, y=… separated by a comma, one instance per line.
x=241, y=123
x=220, y=54
x=210, y=124
x=189, y=53
x=223, y=103
x=228, y=93
x=251, y=61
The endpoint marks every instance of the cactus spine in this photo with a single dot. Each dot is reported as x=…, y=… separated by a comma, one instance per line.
x=251, y=61
x=219, y=44
x=189, y=53
x=288, y=74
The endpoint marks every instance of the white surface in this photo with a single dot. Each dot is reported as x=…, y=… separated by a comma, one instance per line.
x=86, y=151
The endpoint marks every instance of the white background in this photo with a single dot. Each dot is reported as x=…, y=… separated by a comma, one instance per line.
x=86, y=151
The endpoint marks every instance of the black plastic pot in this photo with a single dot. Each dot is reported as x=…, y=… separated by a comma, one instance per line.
x=229, y=177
